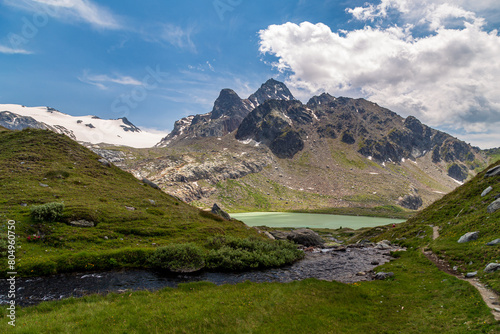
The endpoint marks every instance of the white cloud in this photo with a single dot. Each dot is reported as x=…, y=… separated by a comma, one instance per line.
x=448, y=78
x=9, y=50
x=100, y=80
x=71, y=10
x=177, y=36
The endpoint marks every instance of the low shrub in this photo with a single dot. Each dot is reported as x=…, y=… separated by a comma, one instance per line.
x=178, y=258
x=229, y=253
x=48, y=212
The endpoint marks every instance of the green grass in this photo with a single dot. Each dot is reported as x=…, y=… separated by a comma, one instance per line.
x=459, y=212
x=493, y=154
x=39, y=167
x=418, y=299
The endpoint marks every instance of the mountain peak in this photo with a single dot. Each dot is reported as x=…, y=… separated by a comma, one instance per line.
x=227, y=114
x=271, y=90
x=227, y=104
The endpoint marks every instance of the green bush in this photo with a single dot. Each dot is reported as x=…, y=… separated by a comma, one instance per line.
x=228, y=253
x=178, y=258
x=49, y=212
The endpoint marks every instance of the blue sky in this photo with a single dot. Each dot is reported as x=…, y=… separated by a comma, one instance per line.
x=157, y=61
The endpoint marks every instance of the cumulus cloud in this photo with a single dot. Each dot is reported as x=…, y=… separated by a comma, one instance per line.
x=101, y=80
x=448, y=77
x=71, y=10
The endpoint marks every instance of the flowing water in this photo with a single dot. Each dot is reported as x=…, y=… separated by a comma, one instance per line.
x=342, y=265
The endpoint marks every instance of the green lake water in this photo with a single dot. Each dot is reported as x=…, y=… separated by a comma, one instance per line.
x=296, y=220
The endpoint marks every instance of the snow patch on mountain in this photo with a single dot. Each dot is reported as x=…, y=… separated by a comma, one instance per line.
x=89, y=129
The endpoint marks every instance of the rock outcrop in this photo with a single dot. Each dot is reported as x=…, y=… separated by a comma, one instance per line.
x=305, y=237
x=470, y=236
x=412, y=202
x=494, y=206
x=216, y=210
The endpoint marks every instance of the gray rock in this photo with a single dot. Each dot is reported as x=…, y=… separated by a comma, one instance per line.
x=494, y=206
x=269, y=235
x=218, y=211
x=306, y=237
x=280, y=235
x=130, y=208
x=81, y=223
x=152, y=201
x=383, y=245
x=470, y=275
x=495, y=171
x=492, y=267
x=494, y=242
x=381, y=275
x=43, y=185
x=412, y=202
x=151, y=184
x=486, y=191
x=105, y=162
x=468, y=237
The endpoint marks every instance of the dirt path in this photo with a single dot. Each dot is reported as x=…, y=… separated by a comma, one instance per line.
x=490, y=297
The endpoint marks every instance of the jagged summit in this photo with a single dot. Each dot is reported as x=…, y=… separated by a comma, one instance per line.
x=227, y=114
x=271, y=90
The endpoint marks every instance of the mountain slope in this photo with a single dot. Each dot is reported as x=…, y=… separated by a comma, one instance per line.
x=88, y=129
x=466, y=209
x=131, y=218
x=227, y=114
x=286, y=155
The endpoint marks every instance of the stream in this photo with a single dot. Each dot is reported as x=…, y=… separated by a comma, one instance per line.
x=347, y=265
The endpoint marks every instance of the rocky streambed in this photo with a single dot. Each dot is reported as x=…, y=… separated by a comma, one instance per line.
x=346, y=264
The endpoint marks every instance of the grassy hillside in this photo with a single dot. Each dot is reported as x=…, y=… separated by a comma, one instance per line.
x=133, y=219
x=493, y=154
x=459, y=212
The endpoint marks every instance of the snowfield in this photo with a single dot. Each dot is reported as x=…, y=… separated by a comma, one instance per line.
x=90, y=129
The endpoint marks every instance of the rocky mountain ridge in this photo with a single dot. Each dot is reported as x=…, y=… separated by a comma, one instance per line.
x=375, y=132
x=284, y=155
x=227, y=114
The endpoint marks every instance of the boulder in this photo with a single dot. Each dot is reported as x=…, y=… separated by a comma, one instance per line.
x=495, y=171
x=486, y=191
x=280, y=235
x=269, y=235
x=218, y=211
x=383, y=245
x=151, y=184
x=471, y=275
x=306, y=237
x=381, y=275
x=492, y=267
x=494, y=206
x=494, y=242
x=81, y=223
x=468, y=237
x=105, y=162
